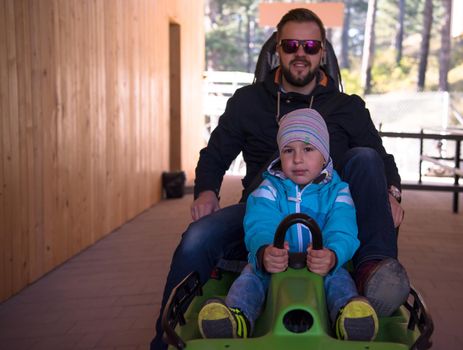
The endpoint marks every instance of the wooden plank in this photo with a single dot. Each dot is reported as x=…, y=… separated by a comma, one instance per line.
x=135, y=178
x=21, y=239
x=52, y=115
x=148, y=114
x=111, y=89
x=26, y=114
x=79, y=142
x=64, y=90
x=83, y=142
x=125, y=70
x=114, y=146
x=161, y=122
x=48, y=115
x=100, y=194
x=122, y=103
x=37, y=238
x=142, y=189
x=5, y=220
x=175, y=101
x=93, y=122
x=191, y=87
x=12, y=170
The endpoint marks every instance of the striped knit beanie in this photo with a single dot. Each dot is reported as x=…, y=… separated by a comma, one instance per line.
x=306, y=125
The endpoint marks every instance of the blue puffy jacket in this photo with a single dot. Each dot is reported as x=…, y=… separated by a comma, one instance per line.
x=328, y=202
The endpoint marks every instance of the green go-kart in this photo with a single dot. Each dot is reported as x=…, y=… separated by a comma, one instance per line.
x=295, y=314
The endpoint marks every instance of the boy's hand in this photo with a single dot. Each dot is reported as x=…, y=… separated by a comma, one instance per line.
x=320, y=261
x=275, y=259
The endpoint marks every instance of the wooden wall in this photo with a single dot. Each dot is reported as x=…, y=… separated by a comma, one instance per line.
x=84, y=106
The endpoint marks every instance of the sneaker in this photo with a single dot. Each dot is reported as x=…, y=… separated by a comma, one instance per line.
x=357, y=320
x=217, y=320
x=385, y=284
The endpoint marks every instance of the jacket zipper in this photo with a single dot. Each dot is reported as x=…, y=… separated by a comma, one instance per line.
x=298, y=210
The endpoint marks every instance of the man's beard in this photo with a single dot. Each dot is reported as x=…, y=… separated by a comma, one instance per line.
x=298, y=81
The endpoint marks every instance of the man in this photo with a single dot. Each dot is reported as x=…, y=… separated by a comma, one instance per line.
x=250, y=124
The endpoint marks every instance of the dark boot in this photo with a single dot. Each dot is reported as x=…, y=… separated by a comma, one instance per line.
x=385, y=283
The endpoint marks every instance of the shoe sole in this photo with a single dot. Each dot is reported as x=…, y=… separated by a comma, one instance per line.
x=388, y=287
x=216, y=321
x=357, y=322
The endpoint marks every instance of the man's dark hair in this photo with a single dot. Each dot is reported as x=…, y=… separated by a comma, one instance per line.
x=301, y=15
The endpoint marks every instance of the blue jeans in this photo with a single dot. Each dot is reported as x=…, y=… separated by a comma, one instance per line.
x=363, y=170
x=221, y=233
x=248, y=292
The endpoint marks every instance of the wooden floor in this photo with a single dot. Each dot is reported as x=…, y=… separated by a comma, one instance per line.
x=108, y=296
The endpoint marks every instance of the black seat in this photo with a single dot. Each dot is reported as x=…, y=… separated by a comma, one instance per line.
x=268, y=60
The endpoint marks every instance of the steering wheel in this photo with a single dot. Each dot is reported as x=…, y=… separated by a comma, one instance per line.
x=297, y=260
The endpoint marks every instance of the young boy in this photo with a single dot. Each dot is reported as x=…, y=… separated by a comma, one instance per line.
x=303, y=180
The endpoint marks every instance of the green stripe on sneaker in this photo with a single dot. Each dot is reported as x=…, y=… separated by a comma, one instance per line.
x=242, y=330
x=217, y=320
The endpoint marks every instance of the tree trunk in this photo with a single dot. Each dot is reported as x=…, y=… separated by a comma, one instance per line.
x=424, y=51
x=249, y=65
x=344, y=59
x=400, y=32
x=212, y=12
x=444, y=55
x=368, y=47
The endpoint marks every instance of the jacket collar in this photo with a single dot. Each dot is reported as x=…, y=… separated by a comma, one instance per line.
x=325, y=176
x=273, y=80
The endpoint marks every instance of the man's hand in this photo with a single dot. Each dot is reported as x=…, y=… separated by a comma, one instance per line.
x=275, y=259
x=396, y=210
x=206, y=203
x=320, y=261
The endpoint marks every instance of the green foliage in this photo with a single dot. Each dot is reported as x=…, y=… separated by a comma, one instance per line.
x=220, y=41
x=232, y=24
x=457, y=52
x=387, y=15
x=387, y=76
x=351, y=81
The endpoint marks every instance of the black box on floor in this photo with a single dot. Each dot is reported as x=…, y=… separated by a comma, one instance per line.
x=173, y=184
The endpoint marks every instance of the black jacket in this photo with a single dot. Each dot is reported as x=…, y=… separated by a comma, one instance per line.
x=249, y=124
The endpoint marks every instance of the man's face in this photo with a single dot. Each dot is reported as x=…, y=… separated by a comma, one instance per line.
x=299, y=68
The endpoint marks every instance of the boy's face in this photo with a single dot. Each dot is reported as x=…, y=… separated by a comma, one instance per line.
x=301, y=162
